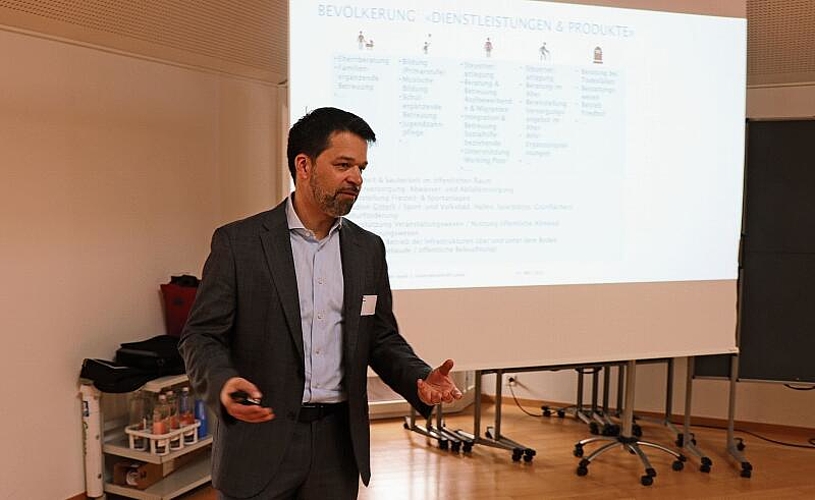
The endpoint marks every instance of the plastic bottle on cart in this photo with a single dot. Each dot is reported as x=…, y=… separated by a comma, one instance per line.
x=186, y=415
x=172, y=420
x=201, y=415
x=185, y=406
x=160, y=424
x=172, y=409
x=137, y=418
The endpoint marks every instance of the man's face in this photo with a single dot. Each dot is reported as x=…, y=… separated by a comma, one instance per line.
x=336, y=176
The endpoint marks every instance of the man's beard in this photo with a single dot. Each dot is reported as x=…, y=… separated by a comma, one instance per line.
x=331, y=203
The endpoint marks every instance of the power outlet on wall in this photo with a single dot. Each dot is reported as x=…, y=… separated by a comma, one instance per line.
x=512, y=380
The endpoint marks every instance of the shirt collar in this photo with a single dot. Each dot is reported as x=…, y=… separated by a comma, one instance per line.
x=294, y=221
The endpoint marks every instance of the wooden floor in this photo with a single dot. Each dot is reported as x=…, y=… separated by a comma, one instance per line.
x=408, y=466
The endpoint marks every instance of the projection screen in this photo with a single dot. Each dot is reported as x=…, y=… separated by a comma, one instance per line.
x=555, y=183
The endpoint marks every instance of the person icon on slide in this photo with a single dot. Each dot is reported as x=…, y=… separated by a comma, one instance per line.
x=544, y=52
x=360, y=40
x=488, y=47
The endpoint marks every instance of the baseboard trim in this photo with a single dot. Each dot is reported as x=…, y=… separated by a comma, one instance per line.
x=401, y=408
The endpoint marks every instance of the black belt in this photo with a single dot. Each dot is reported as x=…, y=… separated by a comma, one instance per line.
x=310, y=412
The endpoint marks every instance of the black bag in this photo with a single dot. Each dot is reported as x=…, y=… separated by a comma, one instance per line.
x=158, y=355
x=108, y=376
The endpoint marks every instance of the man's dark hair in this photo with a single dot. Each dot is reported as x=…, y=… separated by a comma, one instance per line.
x=311, y=134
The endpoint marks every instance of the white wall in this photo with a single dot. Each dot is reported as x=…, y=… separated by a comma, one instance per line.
x=115, y=171
x=781, y=102
x=755, y=402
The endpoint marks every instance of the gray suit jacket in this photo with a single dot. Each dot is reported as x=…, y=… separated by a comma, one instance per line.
x=246, y=322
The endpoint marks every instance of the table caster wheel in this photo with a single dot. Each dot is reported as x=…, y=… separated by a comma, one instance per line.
x=529, y=454
x=647, y=480
x=677, y=465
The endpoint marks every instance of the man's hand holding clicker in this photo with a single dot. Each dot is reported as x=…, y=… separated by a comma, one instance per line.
x=252, y=413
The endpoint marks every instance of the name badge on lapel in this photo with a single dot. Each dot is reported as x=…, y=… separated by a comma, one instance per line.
x=368, y=305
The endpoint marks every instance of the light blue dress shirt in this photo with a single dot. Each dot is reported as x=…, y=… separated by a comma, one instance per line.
x=318, y=266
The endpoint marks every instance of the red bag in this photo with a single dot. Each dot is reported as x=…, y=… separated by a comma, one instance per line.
x=179, y=295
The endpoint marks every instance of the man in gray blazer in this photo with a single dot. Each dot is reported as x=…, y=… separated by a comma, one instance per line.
x=294, y=305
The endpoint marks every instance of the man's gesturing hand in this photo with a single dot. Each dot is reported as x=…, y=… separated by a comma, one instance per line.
x=247, y=413
x=438, y=386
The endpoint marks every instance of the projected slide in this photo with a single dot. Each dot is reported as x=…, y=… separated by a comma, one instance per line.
x=534, y=143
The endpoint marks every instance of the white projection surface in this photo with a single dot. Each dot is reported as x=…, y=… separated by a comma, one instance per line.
x=555, y=183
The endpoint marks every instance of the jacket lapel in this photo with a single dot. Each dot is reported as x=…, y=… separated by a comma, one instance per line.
x=353, y=275
x=277, y=247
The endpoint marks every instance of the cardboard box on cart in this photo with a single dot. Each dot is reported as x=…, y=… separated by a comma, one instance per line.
x=142, y=475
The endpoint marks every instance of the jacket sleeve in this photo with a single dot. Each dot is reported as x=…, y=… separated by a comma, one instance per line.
x=204, y=342
x=390, y=356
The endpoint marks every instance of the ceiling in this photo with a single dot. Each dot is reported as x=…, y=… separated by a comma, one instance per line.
x=780, y=42
x=242, y=37
x=249, y=37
